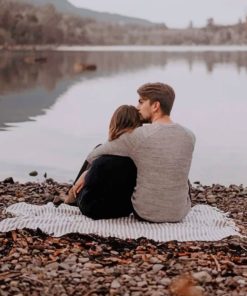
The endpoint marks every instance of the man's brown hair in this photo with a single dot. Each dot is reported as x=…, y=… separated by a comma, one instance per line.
x=163, y=93
x=124, y=119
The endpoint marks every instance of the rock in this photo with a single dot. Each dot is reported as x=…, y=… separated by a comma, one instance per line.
x=9, y=180
x=115, y=284
x=52, y=266
x=65, y=266
x=5, y=267
x=14, y=283
x=80, y=67
x=114, y=252
x=202, y=276
x=126, y=277
x=75, y=250
x=71, y=259
x=178, y=266
x=18, y=266
x=241, y=282
x=165, y=281
x=83, y=260
x=154, y=260
x=33, y=174
x=142, y=284
x=211, y=198
x=92, y=265
x=157, y=267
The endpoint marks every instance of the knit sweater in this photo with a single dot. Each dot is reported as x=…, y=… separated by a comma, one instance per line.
x=162, y=154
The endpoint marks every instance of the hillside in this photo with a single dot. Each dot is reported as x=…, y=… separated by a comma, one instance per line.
x=23, y=23
x=64, y=6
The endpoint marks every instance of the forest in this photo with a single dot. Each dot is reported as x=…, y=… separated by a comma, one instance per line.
x=25, y=24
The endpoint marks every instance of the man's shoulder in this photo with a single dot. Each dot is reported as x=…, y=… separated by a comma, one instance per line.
x=187, y=131
x=144, y=130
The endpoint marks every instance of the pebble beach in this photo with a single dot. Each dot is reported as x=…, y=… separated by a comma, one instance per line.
x=33, y=263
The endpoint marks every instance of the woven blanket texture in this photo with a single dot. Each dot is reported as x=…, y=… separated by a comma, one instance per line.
x=203, y=223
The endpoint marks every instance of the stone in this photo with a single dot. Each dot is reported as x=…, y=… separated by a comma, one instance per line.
x=52, y=266
x=202, y=276
x=211, y=198
x=65, y=266
x=154, y=260
x=9, y=180
x=157, y=267
x=5, y=267
x=83, y=260
x=33, y=174
x=142, y=284
x=115, y=284
x=165, y=281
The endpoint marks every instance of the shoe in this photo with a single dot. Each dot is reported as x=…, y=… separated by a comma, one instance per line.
x=57, y=200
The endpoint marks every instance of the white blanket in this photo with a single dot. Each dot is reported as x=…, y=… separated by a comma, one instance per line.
x=203, y=223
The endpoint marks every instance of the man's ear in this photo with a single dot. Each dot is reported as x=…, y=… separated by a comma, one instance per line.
x=156, y=106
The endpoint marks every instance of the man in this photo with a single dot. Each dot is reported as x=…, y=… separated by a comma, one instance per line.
x=162, y=152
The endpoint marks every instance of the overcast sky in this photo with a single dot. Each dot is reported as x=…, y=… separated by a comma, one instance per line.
x=174, y=13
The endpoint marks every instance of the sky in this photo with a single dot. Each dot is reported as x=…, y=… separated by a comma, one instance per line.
x=174, y=13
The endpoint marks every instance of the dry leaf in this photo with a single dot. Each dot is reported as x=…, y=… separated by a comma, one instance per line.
x=184, y=286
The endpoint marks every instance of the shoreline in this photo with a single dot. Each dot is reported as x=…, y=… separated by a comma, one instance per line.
x=41, y=179
x=32, y=48
x=131, y=48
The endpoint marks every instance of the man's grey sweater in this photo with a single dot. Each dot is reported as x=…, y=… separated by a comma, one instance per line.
x=162, y=154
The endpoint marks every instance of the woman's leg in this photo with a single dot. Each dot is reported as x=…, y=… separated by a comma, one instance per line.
x=108, y=188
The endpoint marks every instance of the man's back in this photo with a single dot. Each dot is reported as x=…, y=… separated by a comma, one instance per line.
x=163, y=160
x=162, y=154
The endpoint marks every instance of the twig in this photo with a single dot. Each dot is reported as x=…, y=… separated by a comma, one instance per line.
x=243, y=247
x=6, y=275
x=216, y=263
x=32, y=279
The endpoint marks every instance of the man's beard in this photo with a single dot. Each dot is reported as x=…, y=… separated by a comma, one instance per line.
x=145, y=120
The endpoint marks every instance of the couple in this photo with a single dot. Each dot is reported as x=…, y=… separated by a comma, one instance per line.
x=141, y=169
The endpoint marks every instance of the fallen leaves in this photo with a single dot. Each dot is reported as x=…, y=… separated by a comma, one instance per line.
x=185, y=286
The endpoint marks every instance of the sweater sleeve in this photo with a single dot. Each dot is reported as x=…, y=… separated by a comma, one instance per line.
x=123, y=146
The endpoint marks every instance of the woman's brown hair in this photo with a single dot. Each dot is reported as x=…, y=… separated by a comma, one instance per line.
x=124, y=119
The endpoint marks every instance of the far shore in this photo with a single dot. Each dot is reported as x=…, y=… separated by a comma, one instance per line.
x=134, y=48
x=27, y=47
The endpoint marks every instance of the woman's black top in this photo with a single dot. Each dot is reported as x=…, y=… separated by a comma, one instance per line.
x=108, y=188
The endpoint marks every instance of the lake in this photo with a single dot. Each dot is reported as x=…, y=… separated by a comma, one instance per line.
x=52, y=115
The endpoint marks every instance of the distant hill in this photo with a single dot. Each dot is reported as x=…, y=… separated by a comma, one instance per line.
x=66, y=7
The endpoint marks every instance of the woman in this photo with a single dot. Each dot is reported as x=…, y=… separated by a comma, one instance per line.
x=110, y=181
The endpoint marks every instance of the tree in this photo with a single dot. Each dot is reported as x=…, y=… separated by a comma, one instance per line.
x=210, y=23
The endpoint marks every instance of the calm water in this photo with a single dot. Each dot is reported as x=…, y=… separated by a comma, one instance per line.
x=51, y=116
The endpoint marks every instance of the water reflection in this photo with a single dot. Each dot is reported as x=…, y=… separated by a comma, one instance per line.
x=28, y=89
x=16, y=74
